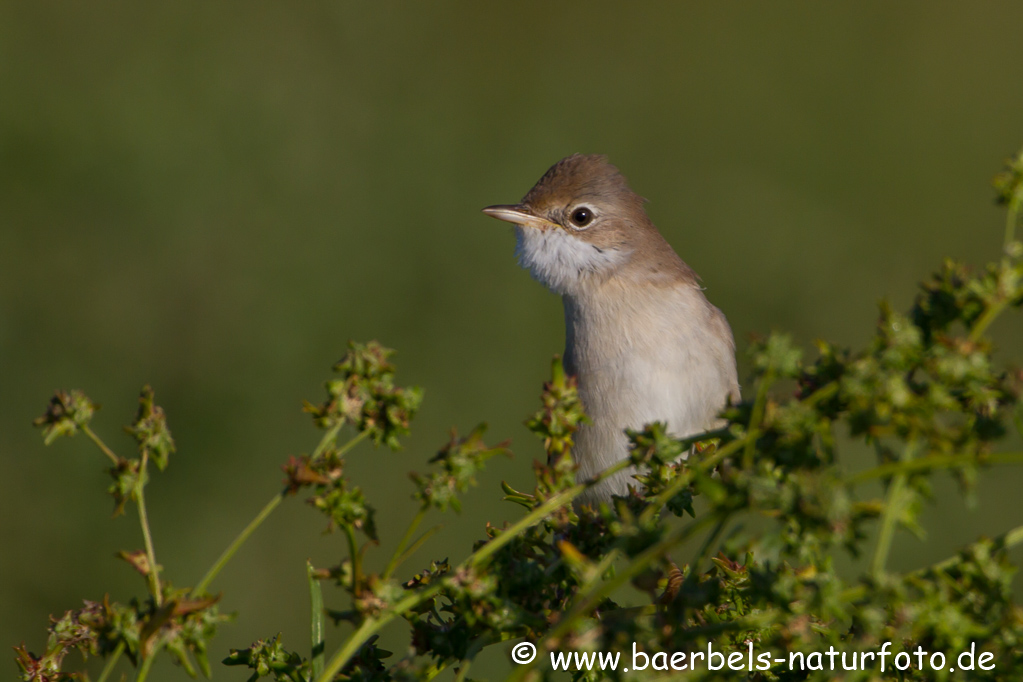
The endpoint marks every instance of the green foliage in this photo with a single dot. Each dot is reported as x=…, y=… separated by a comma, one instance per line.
x=150, y=431
x=459, y=461
x=180, y=625
x=765, y=495
x=344, y=506
x=74, y=630
x=67, y=413
x=270, y=659
x=365, y=396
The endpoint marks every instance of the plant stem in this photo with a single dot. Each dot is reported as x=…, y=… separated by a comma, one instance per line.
x=555, y=501
x=111, y=663
x=433, y=671
x=888, y=522
x=1006, y=540
x=393, y=562
x=147, y=663
x=890, y=517
x=934, y=462
x=240, y=539
x=989, y=316
x=993, y=311
x=140, y=497
x=823, y=393
x=100, y=444
x=147, y=536
x=417, y=544
x=1011, y=218
x=368, y=628
x=353, y=552
x=237, y=543
x=605, y=564
x=343, y=450
x=317, y=650
x=756, y=416
x=463, y=669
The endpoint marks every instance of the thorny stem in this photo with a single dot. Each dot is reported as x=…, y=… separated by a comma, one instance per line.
x=100, y=444
x=111, y=662
x=246, y=532
x=372, y=625
x=892, y=511
x=393, y=562
x=147, y=536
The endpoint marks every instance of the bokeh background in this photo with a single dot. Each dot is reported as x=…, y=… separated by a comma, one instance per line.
x=214, y=199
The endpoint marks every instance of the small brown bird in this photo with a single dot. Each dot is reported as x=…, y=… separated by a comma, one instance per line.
x=640, y=336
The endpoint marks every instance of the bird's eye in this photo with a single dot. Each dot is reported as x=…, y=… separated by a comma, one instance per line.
x=581, y=217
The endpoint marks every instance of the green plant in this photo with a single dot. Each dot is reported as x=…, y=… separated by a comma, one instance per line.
x=765, y=496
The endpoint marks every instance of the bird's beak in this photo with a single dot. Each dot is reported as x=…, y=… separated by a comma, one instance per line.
x=519, y=215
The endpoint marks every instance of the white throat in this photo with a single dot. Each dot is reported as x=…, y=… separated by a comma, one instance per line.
x=561, y=261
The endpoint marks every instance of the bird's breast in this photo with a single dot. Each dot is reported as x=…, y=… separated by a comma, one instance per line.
x=642, y=357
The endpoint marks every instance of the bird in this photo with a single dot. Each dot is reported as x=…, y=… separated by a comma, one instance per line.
x=641, y=338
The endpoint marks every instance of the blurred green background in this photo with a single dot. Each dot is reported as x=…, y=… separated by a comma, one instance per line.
x=214, y=199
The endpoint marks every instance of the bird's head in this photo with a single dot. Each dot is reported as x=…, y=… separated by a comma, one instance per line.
x=580, y=224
